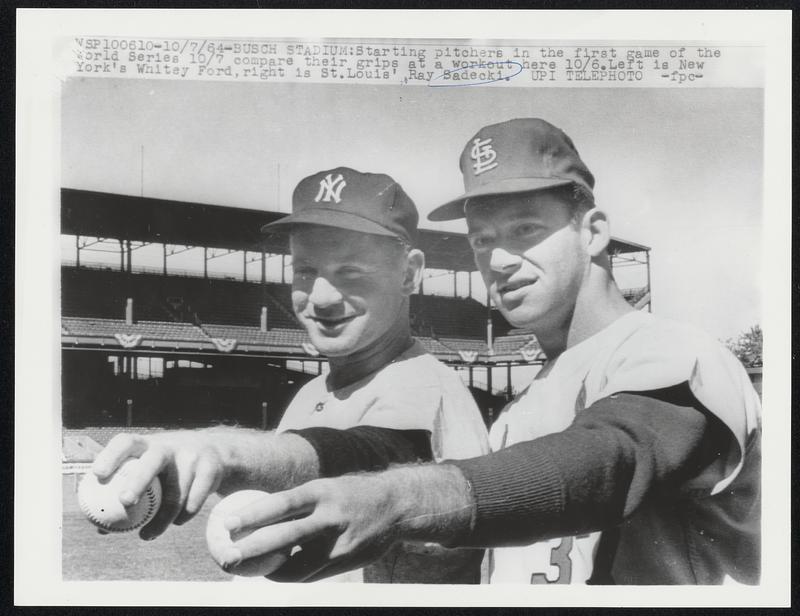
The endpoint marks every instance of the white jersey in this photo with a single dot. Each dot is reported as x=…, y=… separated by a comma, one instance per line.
x=638, y=352
x=413, y=392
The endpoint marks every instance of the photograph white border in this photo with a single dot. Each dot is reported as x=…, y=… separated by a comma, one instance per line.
x=37, y=484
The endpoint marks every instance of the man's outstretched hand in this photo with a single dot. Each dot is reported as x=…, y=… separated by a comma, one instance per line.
x=344, y=523
x=193, y=464
x=188, y=464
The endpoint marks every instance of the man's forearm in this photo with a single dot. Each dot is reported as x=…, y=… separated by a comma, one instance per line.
x=431, y=502
x=585, y=478
x=262, y=460
x=593, y=474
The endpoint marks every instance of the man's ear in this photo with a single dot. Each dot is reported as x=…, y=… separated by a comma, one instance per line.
x=412, y=276
x=596, y=231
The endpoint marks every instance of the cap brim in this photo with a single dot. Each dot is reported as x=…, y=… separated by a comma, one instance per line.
x=327, y=218
x=453, y=210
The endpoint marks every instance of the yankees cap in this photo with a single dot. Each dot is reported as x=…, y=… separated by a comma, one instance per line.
x=348, y=199
x=520, y=155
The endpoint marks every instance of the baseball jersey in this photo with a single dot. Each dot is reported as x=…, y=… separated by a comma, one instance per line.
x=637, y=353
x=413, y=392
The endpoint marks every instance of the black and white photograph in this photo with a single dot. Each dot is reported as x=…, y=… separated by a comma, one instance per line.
x=335, y=305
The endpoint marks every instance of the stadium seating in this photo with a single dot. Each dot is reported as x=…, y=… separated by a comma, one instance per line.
x=434, y=346
x=92, y=293
x=102, y=293
x=254, y=336
x=515, y=344
x=101, y=435
x=160, y=330
x=464, y=344
x=195, y=309
x=508, y=347
x=454, y=317
x=239, y=303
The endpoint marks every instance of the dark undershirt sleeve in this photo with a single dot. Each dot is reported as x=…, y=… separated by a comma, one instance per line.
x=594, y=473
x=366, y=448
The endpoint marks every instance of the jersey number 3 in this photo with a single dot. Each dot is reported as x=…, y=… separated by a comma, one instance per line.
x=559, y=557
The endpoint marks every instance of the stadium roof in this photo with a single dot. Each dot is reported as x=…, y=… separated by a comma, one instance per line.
x=145, y=219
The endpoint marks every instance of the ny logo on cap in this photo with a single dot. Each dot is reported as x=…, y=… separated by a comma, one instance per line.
x=483, y=154
x=330, y=188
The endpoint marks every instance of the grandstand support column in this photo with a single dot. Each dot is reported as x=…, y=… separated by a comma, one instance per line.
x=471, y=379
x=263, y=415
x=205, y=261
x=129, y=412
x=489, y=325
x=283, y=268
x=649, y=291
x=263, y=266
x=455, y=283
x=77, y=251
x=509, y=392
x=244, y=265
x=121, y=256
x=489, y=378
x=165, y=259
x=130, y=254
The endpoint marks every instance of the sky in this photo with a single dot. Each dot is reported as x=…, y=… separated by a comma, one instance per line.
x=679, y=170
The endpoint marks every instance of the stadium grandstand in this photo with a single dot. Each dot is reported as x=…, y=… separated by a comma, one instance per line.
x=155, y=334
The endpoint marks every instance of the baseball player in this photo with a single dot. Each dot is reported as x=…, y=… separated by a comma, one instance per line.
x=633, y=457
x=385, y=399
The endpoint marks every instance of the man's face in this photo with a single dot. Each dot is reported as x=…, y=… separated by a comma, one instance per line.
x=347, y=288
x=530, y=255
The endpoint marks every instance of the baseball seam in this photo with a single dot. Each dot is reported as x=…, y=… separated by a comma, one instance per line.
x=150, y=495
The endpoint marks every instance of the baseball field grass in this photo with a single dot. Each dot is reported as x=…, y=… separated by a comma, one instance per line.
x=178, y=555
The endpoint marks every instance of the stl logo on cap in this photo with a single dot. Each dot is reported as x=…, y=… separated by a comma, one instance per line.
x=483, y=154
x=330, y=188
x=523, y=155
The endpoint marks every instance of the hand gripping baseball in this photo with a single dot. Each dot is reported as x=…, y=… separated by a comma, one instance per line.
x=101, y=505
x=339, y=524
x=189, y=467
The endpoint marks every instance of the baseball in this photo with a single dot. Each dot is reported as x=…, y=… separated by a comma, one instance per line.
x=100, y=502
x=219, y=538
